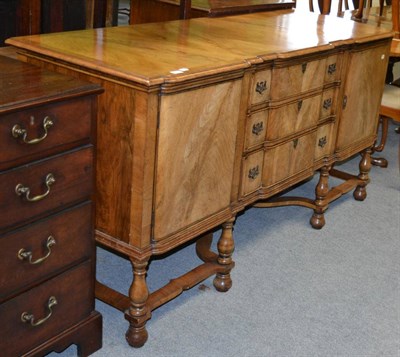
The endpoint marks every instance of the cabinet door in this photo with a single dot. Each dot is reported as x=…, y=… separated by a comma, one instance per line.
x=195, y=155
x=361, y=97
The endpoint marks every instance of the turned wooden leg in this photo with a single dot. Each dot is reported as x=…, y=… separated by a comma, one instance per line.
x=380, y=161
x=360, y=193
x=137, y=313
x=226, y=245
x=317, y=220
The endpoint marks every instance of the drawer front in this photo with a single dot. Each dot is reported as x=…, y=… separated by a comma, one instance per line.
x=255, y=129
x=293, y=118
x=51, y=128
x=73, y=295
x=53, y=183
x=260, y=87
x=252, y=172
x=333, y=68
x=292, y=80
x=328, y=104
x=325, y=142
x=43, y=248
x=288, y=159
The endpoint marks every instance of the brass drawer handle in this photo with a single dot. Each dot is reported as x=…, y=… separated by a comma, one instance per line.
x=332, y=68
x=322, y=141
x=23, y=190
x=261, y=87
x=26, y=317
x=258, y=128
x=27, y=255
x=327, y=103
x=254, y=172
x=17, y=131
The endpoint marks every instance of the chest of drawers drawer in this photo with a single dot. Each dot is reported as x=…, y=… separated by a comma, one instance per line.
x=43, y=312
x=40, y=250
x=28, y=134
x=32, y=190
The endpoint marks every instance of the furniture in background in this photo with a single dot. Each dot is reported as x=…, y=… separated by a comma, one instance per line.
x=203, y=118
x=28, y=17
x=47, y=250
x=143, y=11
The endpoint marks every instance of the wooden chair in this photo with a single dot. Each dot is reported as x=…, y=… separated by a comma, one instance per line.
x=390, y=109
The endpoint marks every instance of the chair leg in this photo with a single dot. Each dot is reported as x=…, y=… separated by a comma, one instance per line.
x=381, y=162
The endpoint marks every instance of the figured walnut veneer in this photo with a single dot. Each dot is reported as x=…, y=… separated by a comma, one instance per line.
x=203, y=118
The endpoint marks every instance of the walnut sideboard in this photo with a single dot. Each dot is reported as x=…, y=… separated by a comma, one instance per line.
x=47, y=256
x=204, y=117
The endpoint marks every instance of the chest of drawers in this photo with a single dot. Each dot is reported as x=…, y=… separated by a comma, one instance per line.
x=203, y=118
x=46, y=212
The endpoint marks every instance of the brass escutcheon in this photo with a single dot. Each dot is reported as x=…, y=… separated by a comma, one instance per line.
x=21, y=190
x=17, y=131
x=27, y=255
x=26, y=317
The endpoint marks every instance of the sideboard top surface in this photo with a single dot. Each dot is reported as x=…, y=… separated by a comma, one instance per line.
x=175, y=51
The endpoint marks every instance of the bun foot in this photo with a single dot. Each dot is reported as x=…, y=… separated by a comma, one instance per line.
x=360, y=193
x=317, y=221
x=222, y=283
x=136, y=336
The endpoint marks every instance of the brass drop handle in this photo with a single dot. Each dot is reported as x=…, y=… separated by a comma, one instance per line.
x=17, y=131
x=261, y=87
x=26, y=317
x=20, y=189
x=254, y=172
x=27, y=255
x=258, y=128
x=332, y=68
x=327, y=103
x=322, y=141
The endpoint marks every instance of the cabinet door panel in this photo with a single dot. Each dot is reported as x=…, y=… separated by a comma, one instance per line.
x=362, y=96
x=195, y=155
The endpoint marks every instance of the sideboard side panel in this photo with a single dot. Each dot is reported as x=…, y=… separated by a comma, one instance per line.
x=361, y=98
x=196, y=153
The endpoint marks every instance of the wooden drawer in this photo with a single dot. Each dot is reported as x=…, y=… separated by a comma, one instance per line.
x=252, y=172
x=288, y=159
x=325, y=142
x=64, y=131
x=293, y=118
x=255, y=129
x=66, y=238
x=74, y=293
x=260, y=87
x=293, y=80
x=72, y=174
x=333, y=68
x=328, y=103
